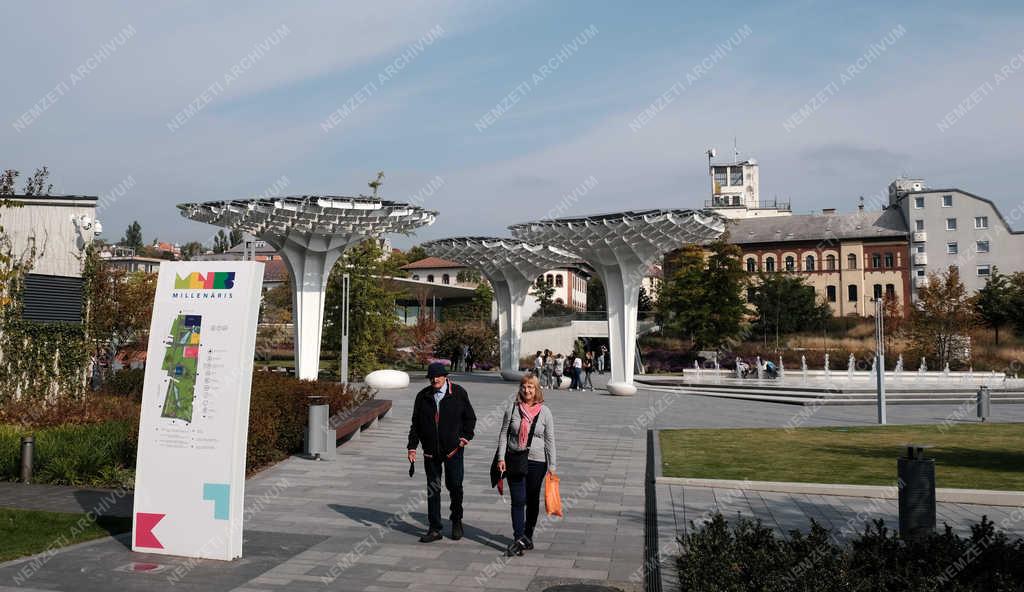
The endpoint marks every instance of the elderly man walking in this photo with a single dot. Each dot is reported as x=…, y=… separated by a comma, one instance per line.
x=442, y=423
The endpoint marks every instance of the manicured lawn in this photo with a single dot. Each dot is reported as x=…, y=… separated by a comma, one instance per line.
x=27, y=532
x=973, y=456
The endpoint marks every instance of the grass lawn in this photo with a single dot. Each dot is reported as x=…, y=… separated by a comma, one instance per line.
x=27, y=532
x=972, y=456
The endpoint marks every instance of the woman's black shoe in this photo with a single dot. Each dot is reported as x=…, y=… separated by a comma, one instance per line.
x=514, y=549
x=526, y=543
x=431, y=536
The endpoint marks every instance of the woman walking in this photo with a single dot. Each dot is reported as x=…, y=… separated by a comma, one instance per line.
x=559, y=369
x=528, y=426
x=588, y=369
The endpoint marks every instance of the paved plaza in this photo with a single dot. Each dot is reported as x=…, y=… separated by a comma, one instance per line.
x=352, y=524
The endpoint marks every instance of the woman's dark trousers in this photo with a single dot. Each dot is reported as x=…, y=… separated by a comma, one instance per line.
x=525, y=492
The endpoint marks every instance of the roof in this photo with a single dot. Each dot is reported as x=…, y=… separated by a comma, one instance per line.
x=1002, y=218
x=432, y=263
x=862, y=224
x=275, y=270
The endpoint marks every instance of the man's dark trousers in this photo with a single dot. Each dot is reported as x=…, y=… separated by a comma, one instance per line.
x=452, y=472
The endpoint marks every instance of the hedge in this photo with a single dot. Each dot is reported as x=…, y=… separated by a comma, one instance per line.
x=748, y=556
x=93, y=442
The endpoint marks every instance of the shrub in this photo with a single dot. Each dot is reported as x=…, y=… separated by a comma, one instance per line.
x=748, y=556
x=125, y=383
x=99, y=454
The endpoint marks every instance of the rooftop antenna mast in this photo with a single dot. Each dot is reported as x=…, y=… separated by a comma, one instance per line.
x=735, y=151
x=711, y=152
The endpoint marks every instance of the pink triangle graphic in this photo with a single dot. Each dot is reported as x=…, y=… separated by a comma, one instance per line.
x=144, y=525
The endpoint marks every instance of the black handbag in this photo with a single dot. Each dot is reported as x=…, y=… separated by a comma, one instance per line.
x=517, y=462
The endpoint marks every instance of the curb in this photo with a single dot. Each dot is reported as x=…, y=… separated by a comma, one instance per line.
x=987, y=497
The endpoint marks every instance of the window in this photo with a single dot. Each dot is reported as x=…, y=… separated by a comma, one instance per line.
x=809, y=263
x=919, y=272
x=830, y=262
x=950, y=223
x=888, y=260
x=851, y=292
x=984, y=270
x=549, y=279
x=751, y=265
x=720, y=179
x=558, y=281
x=981, y=221
x=918, y=203
x=890, y=291
x=851, y=261
x=876, y=261
x=559, y=301
x=446, y=279
x=430, y=278
x=790, y=263
x=983, y=246
x=769, y=264
x=830, y=293
x=918, y=225
x=947, y=201
x=736, y=176
x=877, y=291
x=919, y=249
x=952, y=249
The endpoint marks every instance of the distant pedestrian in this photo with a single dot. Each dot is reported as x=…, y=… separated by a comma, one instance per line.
x=470, y=360
x=577, y=371
x=588, y=369
x=538, y=364
x=559, y=370
x=602, y=359
x=549, y=368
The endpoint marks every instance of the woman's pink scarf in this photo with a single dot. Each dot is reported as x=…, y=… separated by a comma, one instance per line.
x=529, y=413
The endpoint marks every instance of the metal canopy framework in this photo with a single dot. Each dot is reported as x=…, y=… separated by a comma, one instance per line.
x=311, y=233
x=511, y=266
x=620, y=248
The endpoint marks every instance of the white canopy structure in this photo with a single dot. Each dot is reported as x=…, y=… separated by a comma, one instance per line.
x=311, y=233
x=620, y=248
x=511, y=266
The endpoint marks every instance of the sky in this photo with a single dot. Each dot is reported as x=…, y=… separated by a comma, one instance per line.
x=494, y=113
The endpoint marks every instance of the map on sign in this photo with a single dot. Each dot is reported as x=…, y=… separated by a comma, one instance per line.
x=181, y=360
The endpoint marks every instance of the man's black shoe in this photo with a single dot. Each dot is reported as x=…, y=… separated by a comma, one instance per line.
x=456, y=530
x=526, y=543
x=515, y=549
x=431, y=536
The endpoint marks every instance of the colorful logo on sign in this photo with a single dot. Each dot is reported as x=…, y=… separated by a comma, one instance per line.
x=214, y=280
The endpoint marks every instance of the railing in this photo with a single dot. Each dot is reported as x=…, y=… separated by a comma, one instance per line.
x=784, y=206
x=644, y=320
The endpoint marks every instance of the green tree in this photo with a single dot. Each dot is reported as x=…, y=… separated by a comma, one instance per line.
x=993, y=303
x=644, y=302
x=785, y=303
x=190, y=249
x=468, y=276
x=133, y=236
x=1016, y=303
x=596, y=299
x=120, y=307
x=942, y=314
x=235, y=237
x=372, y=321
x=544, y=292
x=416, y=253
x=701, y=299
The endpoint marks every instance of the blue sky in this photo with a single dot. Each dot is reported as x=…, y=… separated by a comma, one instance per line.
x=570, y=126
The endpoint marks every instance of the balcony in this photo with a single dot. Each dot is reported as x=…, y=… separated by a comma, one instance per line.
x=723, y=202
x=920, y=258
x=920, y=236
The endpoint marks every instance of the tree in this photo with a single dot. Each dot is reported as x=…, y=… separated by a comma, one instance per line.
x=415, y=254
x=133, y=236
x=701, y=299
x=993, y=303
x=1016, y=303
x=596, y=298
x=191, y=249
x=120, y=307
x=372, y=320
x=468, y=276
x=544, y=292
x=644, y=302
x=943, y=314
x=785, y=303
x=235, y=238
x=38, y=183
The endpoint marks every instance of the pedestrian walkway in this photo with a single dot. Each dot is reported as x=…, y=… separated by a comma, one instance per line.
x=73, y=500
x=353, y=523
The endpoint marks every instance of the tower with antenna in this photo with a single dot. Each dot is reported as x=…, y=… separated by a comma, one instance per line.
x=735, y=188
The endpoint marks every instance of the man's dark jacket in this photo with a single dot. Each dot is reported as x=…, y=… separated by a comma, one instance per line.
x=454, y=420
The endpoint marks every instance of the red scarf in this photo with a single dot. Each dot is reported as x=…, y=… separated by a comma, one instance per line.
x=528, y=415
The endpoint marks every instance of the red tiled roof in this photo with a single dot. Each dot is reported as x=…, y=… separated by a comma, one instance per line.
x=431, y=263
x=275, y=271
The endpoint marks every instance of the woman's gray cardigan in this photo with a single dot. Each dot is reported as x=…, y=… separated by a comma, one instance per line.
x=543, y=447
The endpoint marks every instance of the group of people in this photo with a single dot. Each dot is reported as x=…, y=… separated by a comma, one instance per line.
x=463, y=359
x=768, y=368
x=443, y=424
x=550, y=367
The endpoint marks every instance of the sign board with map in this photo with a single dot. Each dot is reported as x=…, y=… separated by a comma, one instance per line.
x=190, y=472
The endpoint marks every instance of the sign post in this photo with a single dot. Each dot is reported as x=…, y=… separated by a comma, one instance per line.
x=190, y=470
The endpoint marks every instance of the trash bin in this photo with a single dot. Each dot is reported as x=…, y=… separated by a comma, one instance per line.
x=319, y=443
x=984, y=403
x=916, y=492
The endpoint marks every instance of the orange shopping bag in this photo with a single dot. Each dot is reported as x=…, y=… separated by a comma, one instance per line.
x=552, y=499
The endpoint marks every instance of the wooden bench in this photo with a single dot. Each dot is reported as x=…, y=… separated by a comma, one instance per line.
x=349, y=423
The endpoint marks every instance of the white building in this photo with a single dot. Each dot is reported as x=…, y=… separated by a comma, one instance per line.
x=736, y=193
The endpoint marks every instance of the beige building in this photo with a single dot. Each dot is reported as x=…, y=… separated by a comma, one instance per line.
x=850, y=259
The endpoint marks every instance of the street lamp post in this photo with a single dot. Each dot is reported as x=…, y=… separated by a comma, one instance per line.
x=880, y=355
